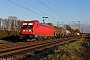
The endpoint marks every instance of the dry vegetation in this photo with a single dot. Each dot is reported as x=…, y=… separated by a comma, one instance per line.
x=9, y=28
x=71, y=51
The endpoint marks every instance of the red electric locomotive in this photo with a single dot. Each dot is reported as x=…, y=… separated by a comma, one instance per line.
x=34, y=29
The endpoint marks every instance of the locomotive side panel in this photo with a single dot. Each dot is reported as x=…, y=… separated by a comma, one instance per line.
x=36, y=28
x=46, y=30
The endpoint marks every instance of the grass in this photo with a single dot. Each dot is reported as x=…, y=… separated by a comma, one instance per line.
x=71, y=51
x=4, y=41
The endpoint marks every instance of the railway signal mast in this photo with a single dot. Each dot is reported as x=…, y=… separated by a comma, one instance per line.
x=77, y=24
x=57, y=24
x=44, y=18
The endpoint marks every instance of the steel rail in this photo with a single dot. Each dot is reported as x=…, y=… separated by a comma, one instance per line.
x=29, y=47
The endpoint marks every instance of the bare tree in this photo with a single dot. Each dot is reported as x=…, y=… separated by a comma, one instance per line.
x=12, y=18
x=13, y=22
x=19, y=25
x=3, y=24
x=0, y=23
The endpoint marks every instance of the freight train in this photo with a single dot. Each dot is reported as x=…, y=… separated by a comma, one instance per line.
x=33, y=29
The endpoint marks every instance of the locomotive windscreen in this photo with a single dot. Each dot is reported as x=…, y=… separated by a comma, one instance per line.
x=27, y=25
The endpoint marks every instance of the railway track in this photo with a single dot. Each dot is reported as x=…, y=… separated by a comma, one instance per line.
x=16, y=48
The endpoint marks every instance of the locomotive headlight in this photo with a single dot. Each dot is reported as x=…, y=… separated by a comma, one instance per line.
x=23, y=30
x=30, y=30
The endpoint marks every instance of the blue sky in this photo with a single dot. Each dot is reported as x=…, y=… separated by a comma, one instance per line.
x=63, y=10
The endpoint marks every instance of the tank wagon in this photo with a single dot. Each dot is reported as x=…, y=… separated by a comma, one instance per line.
x=59, y=32
x=34, y=29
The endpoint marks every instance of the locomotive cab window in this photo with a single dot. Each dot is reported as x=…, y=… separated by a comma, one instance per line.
x=27, y=25
x=30, y=25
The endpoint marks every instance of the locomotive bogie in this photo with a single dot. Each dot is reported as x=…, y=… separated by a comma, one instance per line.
x=27, y=36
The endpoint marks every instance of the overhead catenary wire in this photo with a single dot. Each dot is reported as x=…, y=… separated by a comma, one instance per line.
x=54, y=7
x=24, y=7
x=75, y=23
x=27, y=9
x=40, y=11
x=51, y=9
x=58, y=11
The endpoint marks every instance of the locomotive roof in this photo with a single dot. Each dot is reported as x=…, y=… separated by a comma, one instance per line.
x=45, y=24
x=30, y=20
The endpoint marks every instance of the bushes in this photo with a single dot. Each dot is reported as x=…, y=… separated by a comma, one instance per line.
x=71, y=51
x=5, y=33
